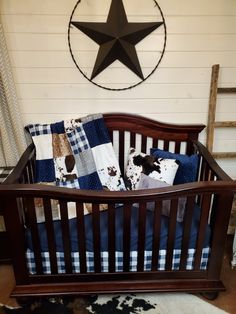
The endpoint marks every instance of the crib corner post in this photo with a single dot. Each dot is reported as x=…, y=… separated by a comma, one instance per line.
x=222, y=212
x=16, y=239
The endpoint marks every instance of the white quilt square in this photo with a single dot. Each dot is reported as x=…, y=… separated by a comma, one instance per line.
x=43, y=144
x=107, y=167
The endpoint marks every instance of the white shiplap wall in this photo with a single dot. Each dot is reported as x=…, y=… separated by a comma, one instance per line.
x=199, y=34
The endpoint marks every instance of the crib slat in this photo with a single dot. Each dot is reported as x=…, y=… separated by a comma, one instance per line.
x=32, y=160
x=132, y=139
x=96, y=238
x=203, y=170
x=111, y=135
x=50, y=235
x=30, y=171
x=34, y=163
x=156, y=234
x=206, y=176
x=186, y=232
x=121, y=150
x=25, y=177
x=144, y=144
x=206, y=200
x=212, y=175
x=126, y=236
x=141, y=235
x=66, y=236
x=171, y=234
x=166, y=145
x=177, y=147
x=111, y=237
x=189, y=148
x=201, y=178
x=81, y=237
x=155, y=143
x=35, y=235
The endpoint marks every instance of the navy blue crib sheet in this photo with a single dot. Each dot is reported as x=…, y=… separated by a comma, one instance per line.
x=119, y=232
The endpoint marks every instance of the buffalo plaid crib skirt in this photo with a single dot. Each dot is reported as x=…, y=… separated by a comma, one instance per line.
x=118, y=261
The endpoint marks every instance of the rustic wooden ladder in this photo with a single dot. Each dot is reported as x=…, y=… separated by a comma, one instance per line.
x=212, y=124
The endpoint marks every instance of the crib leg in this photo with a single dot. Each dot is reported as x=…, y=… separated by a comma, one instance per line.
x=212, y=295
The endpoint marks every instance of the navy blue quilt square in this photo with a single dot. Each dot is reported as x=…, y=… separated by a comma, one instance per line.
x=90, y=182
x=58, y=127
x=45, y=171
x=188, y=165
x=96, y=132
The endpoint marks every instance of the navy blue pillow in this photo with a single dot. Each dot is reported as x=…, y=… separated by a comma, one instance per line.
x=187, y=171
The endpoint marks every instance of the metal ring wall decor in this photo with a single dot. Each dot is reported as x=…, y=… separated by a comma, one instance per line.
x=117, y=39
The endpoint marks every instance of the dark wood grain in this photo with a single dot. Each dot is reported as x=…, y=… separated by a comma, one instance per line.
x=177, y=147
x=155, y=143
x=16, y=238
x=206, y=199
x=166, y=145
x=50, y=235
x=126, y=237
x=132, y=139
x=66, y=236
x=186, y=232
x=144, y=144
x=156, y=235
x=171, y=234
x=219, y=233
x=35, y=235
x=81, y=237
x=111, y=237
x=121, y=151
x=96, y=237
x=141, y=235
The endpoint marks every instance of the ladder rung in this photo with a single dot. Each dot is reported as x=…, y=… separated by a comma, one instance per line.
x=224, y=155
x=226, y=90
x=225, y=124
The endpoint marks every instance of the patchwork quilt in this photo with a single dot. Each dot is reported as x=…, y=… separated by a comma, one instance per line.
x=76, y=153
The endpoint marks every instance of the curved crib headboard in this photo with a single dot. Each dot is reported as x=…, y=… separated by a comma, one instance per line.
x=129, y=130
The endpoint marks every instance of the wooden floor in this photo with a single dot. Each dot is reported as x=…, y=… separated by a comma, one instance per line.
x=226, y=300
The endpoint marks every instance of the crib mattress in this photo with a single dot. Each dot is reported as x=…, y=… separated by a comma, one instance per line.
x=119, y=232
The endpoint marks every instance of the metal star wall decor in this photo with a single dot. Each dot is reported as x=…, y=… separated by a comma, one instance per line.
x=117, y=38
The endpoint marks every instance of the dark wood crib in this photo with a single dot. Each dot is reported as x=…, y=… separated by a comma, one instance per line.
x=213, y=192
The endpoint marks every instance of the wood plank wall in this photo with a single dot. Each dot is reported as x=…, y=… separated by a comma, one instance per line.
x=199, y=34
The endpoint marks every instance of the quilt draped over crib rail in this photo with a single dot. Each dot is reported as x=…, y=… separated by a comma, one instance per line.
x=76, y=153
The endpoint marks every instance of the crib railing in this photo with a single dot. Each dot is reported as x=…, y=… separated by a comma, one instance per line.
x=215, y=201
x=24, y=172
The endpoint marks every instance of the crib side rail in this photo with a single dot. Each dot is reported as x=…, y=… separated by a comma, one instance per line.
x=24, y=171
x=206, y=191
x=209, y=169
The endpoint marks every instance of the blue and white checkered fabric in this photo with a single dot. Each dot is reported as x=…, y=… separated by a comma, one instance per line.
x=39, y=129
x=78, y=140
x=73, y=184
x=118, y=261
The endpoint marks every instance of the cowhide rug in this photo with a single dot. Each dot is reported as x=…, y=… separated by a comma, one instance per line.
x=153, y=303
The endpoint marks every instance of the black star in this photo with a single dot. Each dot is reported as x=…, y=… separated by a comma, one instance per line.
x=117, y=39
